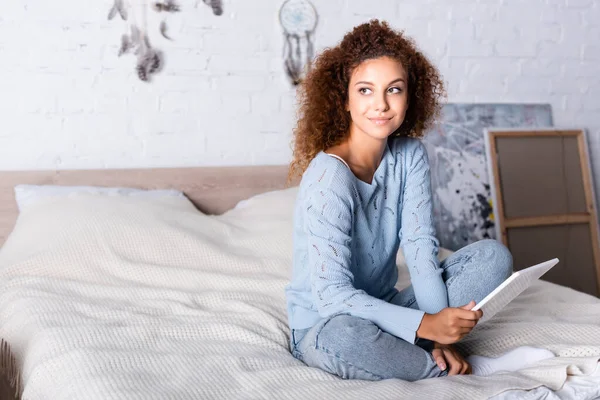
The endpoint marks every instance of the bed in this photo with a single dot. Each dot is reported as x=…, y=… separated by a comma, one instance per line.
x=106, y=295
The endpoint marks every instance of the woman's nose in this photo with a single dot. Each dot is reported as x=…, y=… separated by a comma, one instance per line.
x=381, y=103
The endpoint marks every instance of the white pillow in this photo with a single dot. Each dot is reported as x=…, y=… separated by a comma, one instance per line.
x=26, y=195
x=277, y=203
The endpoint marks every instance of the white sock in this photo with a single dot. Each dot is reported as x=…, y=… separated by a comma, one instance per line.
x=512, y=361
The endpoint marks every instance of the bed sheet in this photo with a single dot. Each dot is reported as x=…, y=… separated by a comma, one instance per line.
x=108, y=298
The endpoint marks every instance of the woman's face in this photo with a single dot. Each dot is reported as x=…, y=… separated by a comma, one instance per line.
x=377, y=97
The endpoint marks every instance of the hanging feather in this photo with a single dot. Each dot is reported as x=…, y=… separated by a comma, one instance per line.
x=293, y=62
x=172, y=6
x=112, y=12
x=309, y=49
x=120, y=5
x=298, y=60
x=289, y=70
x=216, y=5
x=141, y=72
x=150, y=61
x=155, y=62
x=143, y=65
x=125, y=45
x=163, y=30
x=167, y=6
x=148, y=64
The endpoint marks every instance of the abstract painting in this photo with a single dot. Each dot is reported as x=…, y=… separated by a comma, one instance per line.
x=462, y=200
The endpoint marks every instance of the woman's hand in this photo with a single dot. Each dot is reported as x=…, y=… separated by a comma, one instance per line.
x=446, y=356
x=449, y=325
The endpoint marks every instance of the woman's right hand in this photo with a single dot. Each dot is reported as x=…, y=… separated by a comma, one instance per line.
x=449, y=325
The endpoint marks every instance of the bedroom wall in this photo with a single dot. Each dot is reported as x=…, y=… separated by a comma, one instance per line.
x=68, y=101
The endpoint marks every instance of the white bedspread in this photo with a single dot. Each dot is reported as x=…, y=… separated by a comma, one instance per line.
x=117, y=298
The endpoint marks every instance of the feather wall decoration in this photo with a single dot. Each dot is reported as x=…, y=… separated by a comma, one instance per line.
x=125, y=45
x=167, y=5
x=118, y=7
x=163, y=30
x=216, y=5
x=135, y=41
x=149, y=60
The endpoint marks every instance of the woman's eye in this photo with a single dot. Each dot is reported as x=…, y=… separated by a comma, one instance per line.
x=394, y=90
x=364, y=90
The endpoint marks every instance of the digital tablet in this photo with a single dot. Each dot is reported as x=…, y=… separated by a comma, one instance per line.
x=511, y=288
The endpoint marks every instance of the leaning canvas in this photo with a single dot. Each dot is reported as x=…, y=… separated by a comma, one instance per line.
x=462, y=200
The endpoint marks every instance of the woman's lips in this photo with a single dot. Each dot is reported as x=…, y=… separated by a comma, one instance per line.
x=380, y=121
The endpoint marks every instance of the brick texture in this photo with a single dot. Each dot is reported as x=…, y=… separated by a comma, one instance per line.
x=68, y=101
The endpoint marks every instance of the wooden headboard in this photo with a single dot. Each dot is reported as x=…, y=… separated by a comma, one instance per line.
x=213, y=190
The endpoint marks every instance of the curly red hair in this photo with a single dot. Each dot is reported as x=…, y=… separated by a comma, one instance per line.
x=323, y=120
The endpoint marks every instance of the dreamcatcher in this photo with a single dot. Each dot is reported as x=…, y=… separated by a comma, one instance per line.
x=299, y=20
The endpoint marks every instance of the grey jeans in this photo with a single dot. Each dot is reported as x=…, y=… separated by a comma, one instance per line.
x=356, y=348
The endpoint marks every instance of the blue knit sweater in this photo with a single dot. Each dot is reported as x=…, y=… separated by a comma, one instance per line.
x=346, y=236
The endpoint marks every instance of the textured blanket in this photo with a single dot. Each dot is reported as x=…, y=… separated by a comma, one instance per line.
x=109, y=298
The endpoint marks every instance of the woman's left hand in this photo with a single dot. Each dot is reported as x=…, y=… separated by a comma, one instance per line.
x=448, y=358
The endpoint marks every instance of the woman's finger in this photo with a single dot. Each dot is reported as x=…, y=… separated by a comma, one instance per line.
x=470, y=315
x=464, y=331
x=455, y=364
x=438, y=356
x=468, y=306
x=466, y=368
x=466, y=323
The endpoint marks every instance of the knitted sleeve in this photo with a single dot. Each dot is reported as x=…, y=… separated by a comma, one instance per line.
x=417, y=233
x=329, y=219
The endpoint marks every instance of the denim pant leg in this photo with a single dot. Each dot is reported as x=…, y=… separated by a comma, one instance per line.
x=476, y=270
x=355, y=348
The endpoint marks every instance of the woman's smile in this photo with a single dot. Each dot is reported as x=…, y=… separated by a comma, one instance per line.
x=380, y=121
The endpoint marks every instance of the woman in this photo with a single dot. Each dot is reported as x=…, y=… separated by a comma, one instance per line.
x=365, y=191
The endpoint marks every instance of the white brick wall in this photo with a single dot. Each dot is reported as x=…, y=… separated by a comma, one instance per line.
x=67, y=100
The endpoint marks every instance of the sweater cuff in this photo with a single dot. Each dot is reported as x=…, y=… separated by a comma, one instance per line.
x=401, y=322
